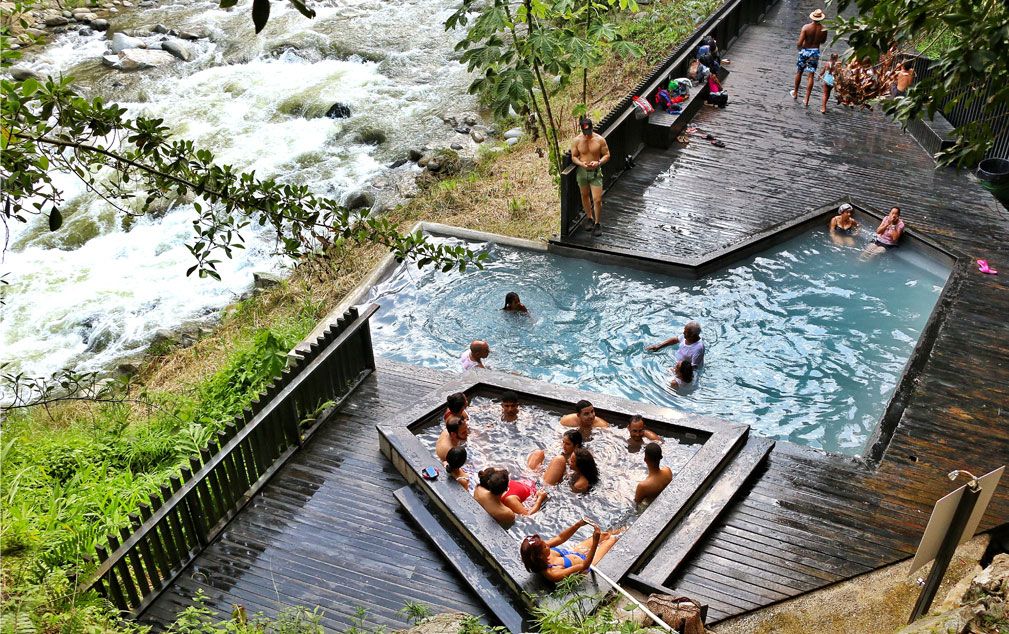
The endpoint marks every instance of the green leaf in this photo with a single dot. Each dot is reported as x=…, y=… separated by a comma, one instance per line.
x=260, y=13
x=29, y=86
x=55, y=219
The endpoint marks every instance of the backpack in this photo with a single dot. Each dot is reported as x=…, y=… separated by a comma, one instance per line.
x=664, y=101
x=680, y=87
x=641, y=108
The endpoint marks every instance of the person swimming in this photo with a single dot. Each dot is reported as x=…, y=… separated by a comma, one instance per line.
x=585, y=474
x=455, y=464
x=514, y=304
x=684, y=375
x=571, y=440
x=503, y=498
x=509, y=407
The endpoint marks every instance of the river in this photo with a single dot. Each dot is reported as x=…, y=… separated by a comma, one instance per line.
x=94, y=292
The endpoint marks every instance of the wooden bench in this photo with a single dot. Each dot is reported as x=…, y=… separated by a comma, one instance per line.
x=933, y=135
x=663, y=127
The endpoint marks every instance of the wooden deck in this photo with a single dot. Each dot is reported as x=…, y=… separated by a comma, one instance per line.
x=326, y=531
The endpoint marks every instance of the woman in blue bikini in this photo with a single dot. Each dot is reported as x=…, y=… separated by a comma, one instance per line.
x=554, y=562
x=830, y=70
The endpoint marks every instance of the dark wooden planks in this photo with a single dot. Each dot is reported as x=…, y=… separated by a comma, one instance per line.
x=327, y=531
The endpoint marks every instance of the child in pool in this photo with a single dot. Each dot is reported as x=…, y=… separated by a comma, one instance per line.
x=509, y=407
x=513, y=304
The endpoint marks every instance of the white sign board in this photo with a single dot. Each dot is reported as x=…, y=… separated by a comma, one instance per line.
x=942, y=516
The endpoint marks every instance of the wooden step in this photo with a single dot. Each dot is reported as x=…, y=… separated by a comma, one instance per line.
x=688, y=533
x=479, y=579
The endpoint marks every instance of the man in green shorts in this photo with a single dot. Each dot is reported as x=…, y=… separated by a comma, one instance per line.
x=589, y=152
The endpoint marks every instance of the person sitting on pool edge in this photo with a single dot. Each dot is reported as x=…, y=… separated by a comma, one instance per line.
x=503, y=498
x=455, y=405
x=509, y=407
x=584, y=473
x=473, y=358
x=554, y=563
x=455, y=433
x=692, y=346
x=455, y=464
x=513, y=304
x=637, y=433
x=584, y=418
x=571, y=440
x=658, y=477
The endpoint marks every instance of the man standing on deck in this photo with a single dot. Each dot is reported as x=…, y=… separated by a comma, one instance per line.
x=810, y=38
x=589, y=152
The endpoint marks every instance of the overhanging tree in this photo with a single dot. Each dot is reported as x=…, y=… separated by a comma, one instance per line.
x=977, y=56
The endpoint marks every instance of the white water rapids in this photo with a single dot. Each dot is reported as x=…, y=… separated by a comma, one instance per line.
x=95, y=291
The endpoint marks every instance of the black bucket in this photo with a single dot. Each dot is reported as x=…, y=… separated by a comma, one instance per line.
x=994, y=176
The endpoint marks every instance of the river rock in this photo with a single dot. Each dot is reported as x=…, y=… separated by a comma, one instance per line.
x=512, y=141
x=452, y=122
x=20, y=73
x=59, y=29
x=195, y=34
x=87, y=18
x=36, y=33
x=159, y=28
x=456, y=146
x=359, y=200
x=127, y=369
x=111, y=60
x=425, y=159
x=414, y=154
x=407, y=187
x=371, y=136
x=470, y=119
x=397, y=163
x=514, y=133
x=127, y=4
x=338, y=111
x=67, y=14
x=121, y=42
x=434, y=164
x=177, y=48
x=146, y=3
x=139, y=59
x=56, y=20
x=80, y=10
x=100, y=24
x=164, y=338
x=477, y=136
x=99, y=340
x=264, y=280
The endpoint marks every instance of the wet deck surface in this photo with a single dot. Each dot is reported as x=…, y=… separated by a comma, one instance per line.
x=327, y=531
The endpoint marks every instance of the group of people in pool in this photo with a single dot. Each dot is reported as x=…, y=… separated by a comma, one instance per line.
x=843, y=229
x=504, y=498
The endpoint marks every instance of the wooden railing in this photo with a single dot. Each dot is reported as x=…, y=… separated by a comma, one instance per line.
x=625, y=134
x=196, y=505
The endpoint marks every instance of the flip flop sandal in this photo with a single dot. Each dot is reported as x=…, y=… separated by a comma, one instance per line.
x=691, y=129
x=982, y=265
x=717, y=144
x=708, y=137
x=683, y=138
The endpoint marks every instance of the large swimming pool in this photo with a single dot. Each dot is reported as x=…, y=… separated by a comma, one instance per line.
x=806, y=341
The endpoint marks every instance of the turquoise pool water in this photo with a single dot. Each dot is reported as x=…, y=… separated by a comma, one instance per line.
x=806, y=342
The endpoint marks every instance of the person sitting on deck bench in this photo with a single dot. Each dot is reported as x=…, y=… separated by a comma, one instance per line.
x=503, y=498
x=455, y=433
x=473, y=358
x=584, y=418
x=571, y=440
x=455, y=405
x=692, y=347
x=658, y=477
x=590, y=152
x=637, y=433
x=509, y=407
x=554, y=563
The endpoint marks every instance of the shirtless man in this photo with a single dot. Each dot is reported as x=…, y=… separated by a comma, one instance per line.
x=658, y=477
x=810, y=38
x=637, y=433
x=904, y=78
x=584, y=418
x=509, y=407
x=455, y=433
x=589, y=151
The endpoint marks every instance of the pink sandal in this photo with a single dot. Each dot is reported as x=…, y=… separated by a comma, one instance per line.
x=982, y=265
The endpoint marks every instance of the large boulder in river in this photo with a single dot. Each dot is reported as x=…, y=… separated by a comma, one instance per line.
x=338, y=111
x=139, y=59
x=263, y=280
x=20, y=73
x=371, y=136
x=178, y=48
x=122, y=42
x=359, y=200
x=99, y=25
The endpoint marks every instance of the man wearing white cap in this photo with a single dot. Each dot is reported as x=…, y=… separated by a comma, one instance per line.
x=810, y=38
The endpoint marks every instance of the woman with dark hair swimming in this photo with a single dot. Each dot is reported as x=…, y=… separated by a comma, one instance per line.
x=585, y=474
x=514, y=304
x=547, y=558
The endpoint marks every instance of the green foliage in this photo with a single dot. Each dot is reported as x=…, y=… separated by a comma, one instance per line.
x=976, y=53
x=569, y=611
x=666, y=25
x=413, y=613
x=472, y=625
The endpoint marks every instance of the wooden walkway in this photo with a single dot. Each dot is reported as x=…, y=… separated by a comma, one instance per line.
x=326, y=531
x=809, y=520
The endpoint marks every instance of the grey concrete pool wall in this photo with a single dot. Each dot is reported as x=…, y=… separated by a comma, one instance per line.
x=718, y=439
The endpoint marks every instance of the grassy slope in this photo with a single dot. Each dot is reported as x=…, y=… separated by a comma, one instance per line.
x=72, y=473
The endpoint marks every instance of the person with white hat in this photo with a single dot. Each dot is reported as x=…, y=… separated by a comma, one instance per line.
x=843, y=227
x=810, y=38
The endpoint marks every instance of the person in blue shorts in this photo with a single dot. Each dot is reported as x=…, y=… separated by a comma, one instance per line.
x=810, y=38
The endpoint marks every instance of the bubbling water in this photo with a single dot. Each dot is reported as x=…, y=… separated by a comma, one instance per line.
x=493, y=443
